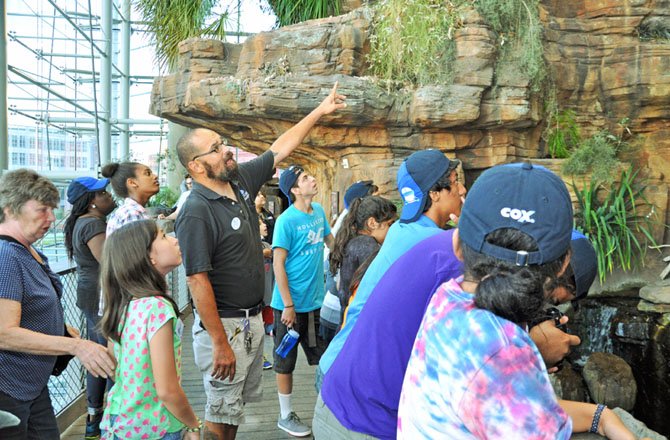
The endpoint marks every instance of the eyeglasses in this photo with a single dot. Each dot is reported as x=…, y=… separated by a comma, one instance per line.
x=215, y=149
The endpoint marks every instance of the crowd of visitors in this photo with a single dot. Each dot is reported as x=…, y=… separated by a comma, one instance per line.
x=430, y=325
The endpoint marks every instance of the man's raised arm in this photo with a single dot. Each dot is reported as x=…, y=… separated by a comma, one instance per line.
x=289, y=141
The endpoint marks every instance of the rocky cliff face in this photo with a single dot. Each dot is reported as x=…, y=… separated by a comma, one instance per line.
x=252, y=92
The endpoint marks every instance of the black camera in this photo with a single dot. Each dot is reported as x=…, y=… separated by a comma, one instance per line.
x=550, y=313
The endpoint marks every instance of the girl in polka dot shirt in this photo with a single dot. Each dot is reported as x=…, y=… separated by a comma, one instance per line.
x=144, y=333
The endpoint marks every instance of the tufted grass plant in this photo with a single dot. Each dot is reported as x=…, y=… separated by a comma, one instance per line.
x=517, y=23
x=596, y=155
x=562, y=134
x=412, y=40
x=295, y=11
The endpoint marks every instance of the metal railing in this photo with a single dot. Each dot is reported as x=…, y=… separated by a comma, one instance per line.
x=67, y=391
x=67, y=387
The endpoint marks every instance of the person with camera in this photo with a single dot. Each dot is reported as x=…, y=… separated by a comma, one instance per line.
x=549, y=331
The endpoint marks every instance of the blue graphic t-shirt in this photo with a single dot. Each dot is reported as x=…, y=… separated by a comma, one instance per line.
x=302, y=235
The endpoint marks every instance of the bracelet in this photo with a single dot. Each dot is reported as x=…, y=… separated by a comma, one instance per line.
x=197, y=428
x=289, y=307
x=596, y=418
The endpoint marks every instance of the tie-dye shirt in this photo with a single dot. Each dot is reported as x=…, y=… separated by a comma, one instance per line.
x=133, y=399
x=474, y=375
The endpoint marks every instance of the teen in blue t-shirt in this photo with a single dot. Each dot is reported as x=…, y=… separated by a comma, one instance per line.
x=299, y=236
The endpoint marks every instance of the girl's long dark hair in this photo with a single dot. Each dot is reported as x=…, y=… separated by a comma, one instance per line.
x=356, y=279
x=79, y=208
x=127, y=273
x=356, y=221
x=516, y=293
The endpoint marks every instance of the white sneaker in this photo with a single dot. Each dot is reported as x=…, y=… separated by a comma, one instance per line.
x=293, y=425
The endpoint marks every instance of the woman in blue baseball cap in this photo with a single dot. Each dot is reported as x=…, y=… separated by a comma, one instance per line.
x=84, y=239
x=474, y=371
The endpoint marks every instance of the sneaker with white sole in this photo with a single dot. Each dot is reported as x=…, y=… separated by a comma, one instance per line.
x=293, y=425
x=93, y=427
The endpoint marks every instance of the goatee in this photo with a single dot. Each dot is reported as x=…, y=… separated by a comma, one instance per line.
x=226, y=175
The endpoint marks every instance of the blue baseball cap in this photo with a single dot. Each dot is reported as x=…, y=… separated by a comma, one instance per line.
x=416, y=176
x=584, y=263
x=357, y=190
x=526, y=197
x=82, y=185
x=288, y=178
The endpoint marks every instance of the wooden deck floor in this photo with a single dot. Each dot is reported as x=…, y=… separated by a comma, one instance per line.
x=261, y=417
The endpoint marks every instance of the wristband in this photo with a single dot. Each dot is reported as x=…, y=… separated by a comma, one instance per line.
x=197, y=428
x=596, y=418
x=289, y=307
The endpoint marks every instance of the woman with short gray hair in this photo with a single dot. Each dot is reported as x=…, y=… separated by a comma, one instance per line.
x=32, y=328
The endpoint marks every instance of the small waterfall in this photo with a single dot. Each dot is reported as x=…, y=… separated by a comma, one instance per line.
x=616, y=325
x=595, y=329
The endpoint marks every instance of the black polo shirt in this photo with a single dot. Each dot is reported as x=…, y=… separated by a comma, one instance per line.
x=220, y=236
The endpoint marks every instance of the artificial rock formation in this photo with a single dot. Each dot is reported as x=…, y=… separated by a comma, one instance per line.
x=610, y=381
x=603, y=70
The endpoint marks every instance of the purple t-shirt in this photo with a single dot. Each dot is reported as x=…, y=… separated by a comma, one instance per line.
x=474, y=375
x=362, y=387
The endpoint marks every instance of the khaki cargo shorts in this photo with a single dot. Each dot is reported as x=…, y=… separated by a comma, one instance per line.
x=225, y=398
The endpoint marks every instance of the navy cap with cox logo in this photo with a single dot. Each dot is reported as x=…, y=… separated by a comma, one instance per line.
x=584, y=263
x=416, y=176
x=526, y=197
x=288, y=178
x=82, y=185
